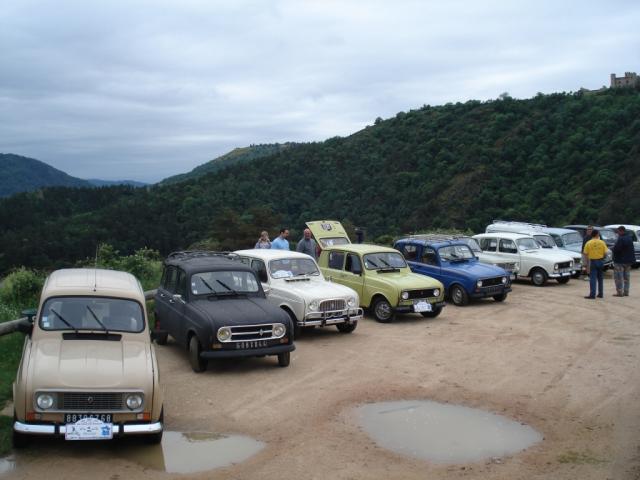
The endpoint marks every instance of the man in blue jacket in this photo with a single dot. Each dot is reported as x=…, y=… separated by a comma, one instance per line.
x=623, y=257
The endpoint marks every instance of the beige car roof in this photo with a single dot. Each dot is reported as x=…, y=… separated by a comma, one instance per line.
x=93, y=281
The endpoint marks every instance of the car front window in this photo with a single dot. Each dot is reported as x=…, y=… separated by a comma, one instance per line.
x=92, y=313
x=572, y=238
x=455, y=253
x=545, y=241
x=384, y=260
x=472, y=244
x=223, y=282
x=607, y=234
x=527, y=244
x=292, y=267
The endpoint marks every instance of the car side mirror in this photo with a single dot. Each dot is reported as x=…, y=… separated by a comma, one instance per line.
x=266, y=289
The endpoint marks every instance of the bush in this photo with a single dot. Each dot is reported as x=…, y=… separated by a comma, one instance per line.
x=21, y=288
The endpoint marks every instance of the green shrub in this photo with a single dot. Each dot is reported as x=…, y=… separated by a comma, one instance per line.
x=21, y=288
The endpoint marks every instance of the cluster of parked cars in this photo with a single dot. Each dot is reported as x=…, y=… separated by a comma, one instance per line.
x=89, y=368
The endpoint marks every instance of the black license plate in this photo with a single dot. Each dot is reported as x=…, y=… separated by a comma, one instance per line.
x=74, y=417
x=251, y=344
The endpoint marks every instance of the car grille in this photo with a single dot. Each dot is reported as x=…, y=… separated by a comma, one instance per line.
x=242, y=333
x=564, y=265
x=332, y=305
x=426, y=293
x=491, y=282
x=88, y=401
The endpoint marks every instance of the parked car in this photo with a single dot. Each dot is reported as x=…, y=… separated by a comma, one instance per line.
x=607, y=234
x=215, y=307
x=379, y=275
x=296, y=285
x=454, y=264
x=540, y=234
x=634, y=232
x=534, y=262
x=88, y=369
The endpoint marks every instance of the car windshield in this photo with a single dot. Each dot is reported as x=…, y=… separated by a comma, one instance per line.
x=223, y=282
x=607, y=234
x=455, y=253
x=545, y=241
x=327, y=242
x=472, y=244
x=92, y=313
x=293, y=267
x=384, y=260
x=527, y=244
x=572, y=238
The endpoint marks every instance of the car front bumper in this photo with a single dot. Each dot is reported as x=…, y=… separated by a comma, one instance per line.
x=564, y=274
x=56, y=429
x=409, y=308
x=320, y=319
x=248, y=352
x=489, y=291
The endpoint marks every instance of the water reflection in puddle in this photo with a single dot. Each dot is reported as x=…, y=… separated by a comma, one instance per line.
x=195, y=452
x=7, y=464
x=443, y=433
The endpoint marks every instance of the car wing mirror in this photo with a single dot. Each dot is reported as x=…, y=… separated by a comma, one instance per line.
x=266, y=288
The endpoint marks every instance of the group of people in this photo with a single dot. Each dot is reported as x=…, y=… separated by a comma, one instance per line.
x=306, y=244
x=594, y=249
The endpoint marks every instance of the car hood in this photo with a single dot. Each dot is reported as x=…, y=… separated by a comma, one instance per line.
x=405, y=281
x=574, y=247
x=554, y=255
x=476, y=269
x=314, y=289
x=58, y=363
x=239, y=311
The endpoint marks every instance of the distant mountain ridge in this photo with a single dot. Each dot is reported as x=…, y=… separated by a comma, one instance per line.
x=96, y=182
x=234, y=157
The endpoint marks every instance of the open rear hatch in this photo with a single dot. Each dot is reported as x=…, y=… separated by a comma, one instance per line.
x=328, y=233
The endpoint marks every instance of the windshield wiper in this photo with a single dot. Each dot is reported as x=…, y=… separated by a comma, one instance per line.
x=206, y=284
x=75, y=329
x=98, y=320
x=227, y=287
x=373, y=263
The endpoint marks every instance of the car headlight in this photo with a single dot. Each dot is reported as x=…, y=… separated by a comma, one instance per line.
x=436, y=292
x=571, y=263
x=313, y=305
x=134, y=401
x=279, y=330
x=555, y=266
x=504, y=280
x=44, y=401
x=224, y=334
x=404, y=295
x=479, y=283
x=351, y=302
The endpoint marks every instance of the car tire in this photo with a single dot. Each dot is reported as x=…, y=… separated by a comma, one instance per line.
x=458, y=296
x=382, y=310
x=538, y=277
x=563, y=280
x=198, y=364
x=346, y=327
x=433, y=313
x=284, y=359
x=294, y=321
x=161, y=337
x=155, y=438
x=500, y=297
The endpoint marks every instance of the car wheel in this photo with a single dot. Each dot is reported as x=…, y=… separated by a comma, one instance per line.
x=433, y=313
x=382, y=310
x=538, y=277
x=284, y=359
x=294, y=321
x=155, y=438
x=458, y=295
x=346, y=327
x=500, y=298
x=198, y=364
x=161, y=337
x=563, y=280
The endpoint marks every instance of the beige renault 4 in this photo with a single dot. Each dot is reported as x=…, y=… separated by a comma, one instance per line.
x=88, y=368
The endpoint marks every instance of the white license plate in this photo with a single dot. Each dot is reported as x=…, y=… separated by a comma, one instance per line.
x=422, y=307
x=89, y=429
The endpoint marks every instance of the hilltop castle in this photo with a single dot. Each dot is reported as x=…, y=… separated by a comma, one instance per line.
x=630, y=79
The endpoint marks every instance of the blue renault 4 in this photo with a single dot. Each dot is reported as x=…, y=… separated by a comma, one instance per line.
x=453, y=263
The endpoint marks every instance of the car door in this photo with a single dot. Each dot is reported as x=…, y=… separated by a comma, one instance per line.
x=165, y=290
x=509, y=251
x=353, y=276
x=177, y=306
x=335, y=265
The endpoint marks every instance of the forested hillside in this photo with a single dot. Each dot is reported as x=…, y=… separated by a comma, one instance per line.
x=23, y=174
x=554, y=159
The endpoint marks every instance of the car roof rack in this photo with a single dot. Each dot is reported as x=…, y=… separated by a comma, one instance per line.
x=184, y=254
x=524, y=224
x=437, y=237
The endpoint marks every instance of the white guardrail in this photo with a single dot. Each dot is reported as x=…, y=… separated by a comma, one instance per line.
x=13, y=325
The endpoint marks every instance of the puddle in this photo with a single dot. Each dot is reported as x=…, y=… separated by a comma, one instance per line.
x=443, y=433
x=7, y=464
x=196, y=452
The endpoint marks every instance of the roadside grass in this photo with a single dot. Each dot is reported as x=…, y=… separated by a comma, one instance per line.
x=11, y=348
x=580, y=458
x=5, y=434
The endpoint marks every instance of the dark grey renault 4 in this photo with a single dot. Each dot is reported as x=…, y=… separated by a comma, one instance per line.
x=215, y=307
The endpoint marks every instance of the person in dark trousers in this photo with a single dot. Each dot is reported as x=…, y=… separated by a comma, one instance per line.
x=307, y=244
x=623, y=258
x=585, y=259
x=595, y=249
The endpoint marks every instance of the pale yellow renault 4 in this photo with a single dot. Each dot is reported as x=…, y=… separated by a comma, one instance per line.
x=88, y=368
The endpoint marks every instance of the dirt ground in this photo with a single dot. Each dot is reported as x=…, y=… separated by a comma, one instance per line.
x=566, y=366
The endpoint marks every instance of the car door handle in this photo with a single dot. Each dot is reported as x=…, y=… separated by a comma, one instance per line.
x=162, y=295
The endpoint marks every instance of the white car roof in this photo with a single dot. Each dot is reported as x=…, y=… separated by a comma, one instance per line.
x=628, y=227
x=271, y=254
x=512, y=236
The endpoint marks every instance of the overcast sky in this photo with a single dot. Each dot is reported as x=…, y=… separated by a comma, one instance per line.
x=144, y=90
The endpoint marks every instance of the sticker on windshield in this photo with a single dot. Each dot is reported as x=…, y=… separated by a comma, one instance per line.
x=282, y=274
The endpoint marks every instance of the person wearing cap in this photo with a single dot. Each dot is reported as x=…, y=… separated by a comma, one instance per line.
x=623, y=257
x=595, y=249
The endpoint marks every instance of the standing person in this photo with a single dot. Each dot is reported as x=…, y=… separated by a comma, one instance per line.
x=585, y=259
x=623, y=257
x=281, y=242
x=595, y=249
x=307, y=244
x=263, y=241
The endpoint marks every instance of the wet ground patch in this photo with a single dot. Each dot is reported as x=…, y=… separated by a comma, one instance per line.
x=443, y=433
